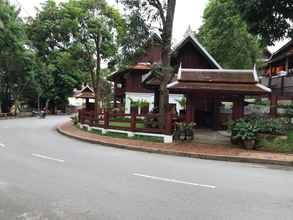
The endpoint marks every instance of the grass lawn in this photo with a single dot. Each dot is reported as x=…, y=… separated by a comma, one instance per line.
x=126, y=124
x=278, y=145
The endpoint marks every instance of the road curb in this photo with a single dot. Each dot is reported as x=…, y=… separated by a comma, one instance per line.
x=178, y=153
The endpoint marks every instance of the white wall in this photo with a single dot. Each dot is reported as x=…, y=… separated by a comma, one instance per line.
x=149, y=97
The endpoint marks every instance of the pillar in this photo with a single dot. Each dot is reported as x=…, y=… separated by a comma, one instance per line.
x=216, y=113
x=238, y=108
x=87, y=104
x=157, y=99
x=189, y=109
x=274, y=105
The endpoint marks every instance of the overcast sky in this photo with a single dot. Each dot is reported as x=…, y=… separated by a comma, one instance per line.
x=188, y=12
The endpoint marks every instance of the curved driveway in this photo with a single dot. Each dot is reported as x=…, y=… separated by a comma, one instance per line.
x=44, y=175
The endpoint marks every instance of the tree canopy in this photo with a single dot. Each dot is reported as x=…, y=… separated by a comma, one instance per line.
x=270, y=19
x=228, y=40
x=16, y=61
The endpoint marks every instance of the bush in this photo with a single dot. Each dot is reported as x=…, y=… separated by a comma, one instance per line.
x=243, y=130
x=248, y=128
x=271, y=126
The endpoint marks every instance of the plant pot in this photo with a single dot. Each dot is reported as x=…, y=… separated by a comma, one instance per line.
x=249, y=144
x=235, y=141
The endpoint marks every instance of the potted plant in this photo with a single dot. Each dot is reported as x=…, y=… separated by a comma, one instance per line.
x=184, y=131
x=245, y=132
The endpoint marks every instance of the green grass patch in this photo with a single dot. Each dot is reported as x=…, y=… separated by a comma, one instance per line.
x=278, y=145
x=96, y=131
x=116, y=134
x=126, y=124
x=149, y=138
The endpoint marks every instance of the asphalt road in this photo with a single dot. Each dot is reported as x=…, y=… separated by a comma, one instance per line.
x=44, y=175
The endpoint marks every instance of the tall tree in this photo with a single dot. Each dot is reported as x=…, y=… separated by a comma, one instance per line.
x=136, y=35
x=15, y=59
x=159, y=13
x=271, y=19
x=99, y=30
x=60, y=58
x=229, y=42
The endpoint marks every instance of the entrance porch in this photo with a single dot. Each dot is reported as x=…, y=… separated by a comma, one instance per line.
x=204, y=109
x=206, y=89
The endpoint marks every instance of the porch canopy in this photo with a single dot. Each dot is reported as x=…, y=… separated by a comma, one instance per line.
x=219, y=81
x=205, y=89
x=85, y=93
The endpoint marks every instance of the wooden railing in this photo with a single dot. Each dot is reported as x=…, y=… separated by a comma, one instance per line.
x=130, y=122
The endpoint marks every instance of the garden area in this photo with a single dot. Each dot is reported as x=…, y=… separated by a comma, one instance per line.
x=263, y=133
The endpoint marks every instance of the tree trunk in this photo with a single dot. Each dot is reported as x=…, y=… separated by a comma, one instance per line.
x=167, y=73
x=96, y=82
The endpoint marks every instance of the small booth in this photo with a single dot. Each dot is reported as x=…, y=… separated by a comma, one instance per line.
x=87, y=93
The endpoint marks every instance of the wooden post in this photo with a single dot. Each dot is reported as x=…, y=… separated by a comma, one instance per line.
x=106, y=119
x=238, y=108
x=87, y=104
x=274, y=105
x=216, y=114
x=189, y=109
x=287, y=64
x=168, y=124
x=133, y=121
x=157, y=99
x=282, y=85
x=80, y=116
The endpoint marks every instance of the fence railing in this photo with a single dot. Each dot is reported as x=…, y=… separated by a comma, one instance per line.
x=130, y=122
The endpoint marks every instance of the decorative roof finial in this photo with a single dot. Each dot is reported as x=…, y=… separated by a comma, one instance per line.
x=188, y=32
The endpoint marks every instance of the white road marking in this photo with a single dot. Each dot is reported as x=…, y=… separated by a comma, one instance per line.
x=2, y=145
x=174, y=181
x=47, y=158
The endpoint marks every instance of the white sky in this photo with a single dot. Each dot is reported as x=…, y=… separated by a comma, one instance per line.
x=188, y=12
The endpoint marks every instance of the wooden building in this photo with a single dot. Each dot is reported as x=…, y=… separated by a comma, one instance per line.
x=198, y=77
x=278, y=75
x=128, y=84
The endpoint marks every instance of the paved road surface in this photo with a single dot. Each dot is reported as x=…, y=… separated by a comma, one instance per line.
x=44, y=175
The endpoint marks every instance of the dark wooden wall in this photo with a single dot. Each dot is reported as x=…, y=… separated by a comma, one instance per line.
x=190, y=57
x=151, y=55
x=133, y=82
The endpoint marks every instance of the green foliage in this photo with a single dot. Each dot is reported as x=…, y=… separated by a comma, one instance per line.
x=248, y=128
x=271, y=19
x=137, y=34
x=226, y=37
x=268, y=125
x=289, y=111
x=277, y=145
x=70, y=40
x=17, y=64
x=182, y=102
x=60, y=58
x=243, y=130
x=139, y=103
